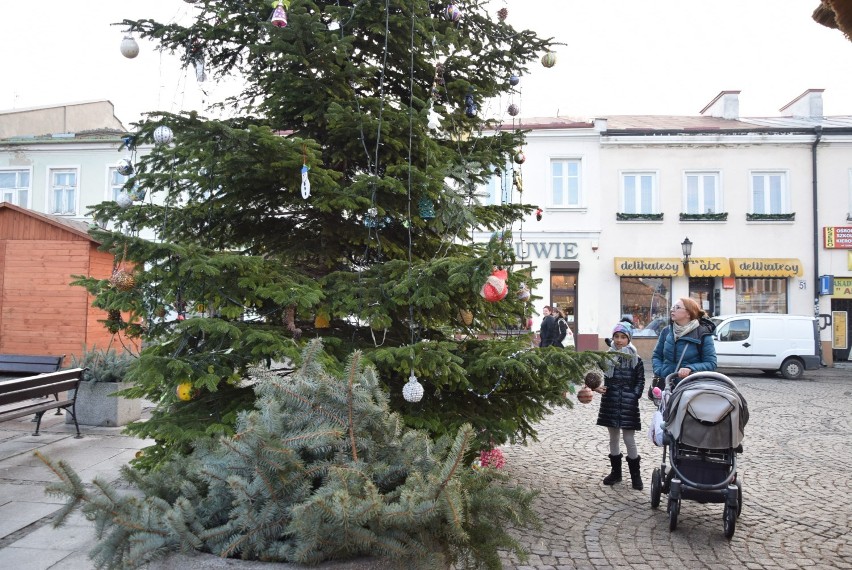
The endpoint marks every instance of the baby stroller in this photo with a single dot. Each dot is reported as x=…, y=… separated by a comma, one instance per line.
x=702, y=431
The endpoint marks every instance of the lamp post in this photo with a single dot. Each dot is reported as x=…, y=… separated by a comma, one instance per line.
x=686, y=247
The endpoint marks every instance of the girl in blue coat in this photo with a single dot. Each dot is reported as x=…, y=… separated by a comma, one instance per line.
x=687, y=344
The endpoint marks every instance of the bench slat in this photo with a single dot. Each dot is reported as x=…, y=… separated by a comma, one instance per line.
x=30, y=381
x=38, y=391
x=28, y=410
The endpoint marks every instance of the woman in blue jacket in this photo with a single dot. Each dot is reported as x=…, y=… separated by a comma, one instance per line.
x=686, y=344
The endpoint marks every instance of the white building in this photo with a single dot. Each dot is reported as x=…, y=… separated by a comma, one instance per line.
x=754, y=196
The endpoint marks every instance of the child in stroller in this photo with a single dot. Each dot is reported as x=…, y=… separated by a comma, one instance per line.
x=703, y=419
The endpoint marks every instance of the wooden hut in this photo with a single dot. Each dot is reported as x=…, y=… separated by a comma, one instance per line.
x=40, y=313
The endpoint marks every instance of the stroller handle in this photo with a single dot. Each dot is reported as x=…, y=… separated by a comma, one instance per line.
x=702, y=376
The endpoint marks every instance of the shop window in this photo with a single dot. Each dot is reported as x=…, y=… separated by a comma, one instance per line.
x=761, y=295
x=646, y=300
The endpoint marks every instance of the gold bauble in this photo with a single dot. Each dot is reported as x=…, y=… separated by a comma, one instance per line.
x=321, y=322
x=184, y=391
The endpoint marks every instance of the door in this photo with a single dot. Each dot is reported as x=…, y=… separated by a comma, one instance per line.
x=733, y=344
x=563, y=294
x=701, y=291
x=840, y=353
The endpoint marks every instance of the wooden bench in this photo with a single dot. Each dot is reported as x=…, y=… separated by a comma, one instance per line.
x=28, y=365
x=18, y=395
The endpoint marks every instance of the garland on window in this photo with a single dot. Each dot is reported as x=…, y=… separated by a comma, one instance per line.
x=771, y=217
x=716, y=217
x=622, y=217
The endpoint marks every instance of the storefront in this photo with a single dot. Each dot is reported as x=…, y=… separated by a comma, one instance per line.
x=761, y=284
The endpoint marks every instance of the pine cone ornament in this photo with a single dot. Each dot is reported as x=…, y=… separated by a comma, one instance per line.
x=502, y=13
x=593, y=380
x=122, y=280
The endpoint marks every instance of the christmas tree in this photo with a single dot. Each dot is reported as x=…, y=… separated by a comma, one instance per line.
x=340, y=202
x=320, y=470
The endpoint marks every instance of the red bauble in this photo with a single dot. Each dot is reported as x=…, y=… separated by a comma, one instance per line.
x=585, y=395
x=496, y=288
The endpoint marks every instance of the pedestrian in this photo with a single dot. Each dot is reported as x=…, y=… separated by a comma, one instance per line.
x=624, y=382
x=549, y=332
x=562, y=327
x=686, y=345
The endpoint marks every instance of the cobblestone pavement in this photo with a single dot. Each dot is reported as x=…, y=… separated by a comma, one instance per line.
x=795, y=469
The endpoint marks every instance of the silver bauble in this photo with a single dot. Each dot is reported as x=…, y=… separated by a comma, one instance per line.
x=163, y=135
x=125, y=167
x=129, y=47
x=124, y=200
x=413, y=390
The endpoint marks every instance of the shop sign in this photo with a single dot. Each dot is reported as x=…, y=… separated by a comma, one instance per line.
x=709, y=267
x=648, y=267
x=839, y=339
x=766, y=267
x=546, y=249
x=843, y=287
x=837, y=237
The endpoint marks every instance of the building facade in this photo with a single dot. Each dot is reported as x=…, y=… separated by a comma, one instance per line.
x=763, y=202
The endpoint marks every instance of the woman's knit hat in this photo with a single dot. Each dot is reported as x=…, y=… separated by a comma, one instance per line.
x=625, y=329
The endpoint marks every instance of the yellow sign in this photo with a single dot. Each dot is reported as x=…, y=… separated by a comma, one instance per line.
x=849, y=260
x=709, y=267
x=842, y=288
x=648, y=267
x=839, y=340
x=766, y=267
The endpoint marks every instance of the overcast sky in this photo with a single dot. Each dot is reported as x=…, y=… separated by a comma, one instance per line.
x=619, y=57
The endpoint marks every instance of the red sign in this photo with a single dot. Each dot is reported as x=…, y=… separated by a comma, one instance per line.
x=837, y=237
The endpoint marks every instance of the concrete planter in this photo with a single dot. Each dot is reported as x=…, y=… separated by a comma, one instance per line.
x=97, y=407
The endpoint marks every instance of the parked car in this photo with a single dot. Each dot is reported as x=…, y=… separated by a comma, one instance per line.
x=768, y=342
x=653, y=328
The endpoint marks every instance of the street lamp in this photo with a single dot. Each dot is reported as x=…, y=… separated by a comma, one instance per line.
x=686, y=246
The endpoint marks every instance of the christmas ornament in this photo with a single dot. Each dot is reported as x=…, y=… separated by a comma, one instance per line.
x=469, y=106
x=137, y=194
x=413, y=390
x=200, y=74
x=454, y=13
x=124, y=200
x=321, y=322
x=306, y=183
x=502, y=13
x=184, y=391
x=513, y=110
x=129, y=47
x=160, y=312
x=493, y=458
x=122, y=280
x=520, y=158
x=139, y=454
x=517, y=180
x=466, y=317
x=427, y=208
x=524, y=292
x=125, y=167
x=163, y=135
x=548, y=59
x=279, y=16
x=538, y=215
x=593, y=380
x=496, y=288
x=128, y=142
x=114, y=321
x=585, y=395
x=514, y=80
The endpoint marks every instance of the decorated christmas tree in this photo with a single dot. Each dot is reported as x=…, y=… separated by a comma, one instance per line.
x=339, y=201
x=320, y=470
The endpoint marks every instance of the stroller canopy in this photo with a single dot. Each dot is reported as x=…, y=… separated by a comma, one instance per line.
x=707, y=411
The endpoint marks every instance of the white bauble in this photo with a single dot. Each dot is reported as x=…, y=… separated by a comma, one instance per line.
x=124, y=200
x=413, y=390
x=129, y=47
x=163, y=135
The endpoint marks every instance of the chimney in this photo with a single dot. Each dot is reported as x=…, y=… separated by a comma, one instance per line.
x=806, y=105
x=726, y=105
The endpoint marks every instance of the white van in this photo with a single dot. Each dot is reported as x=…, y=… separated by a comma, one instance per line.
x=768, y=342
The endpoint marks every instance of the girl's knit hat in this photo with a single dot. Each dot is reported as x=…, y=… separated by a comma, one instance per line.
x=623, y=328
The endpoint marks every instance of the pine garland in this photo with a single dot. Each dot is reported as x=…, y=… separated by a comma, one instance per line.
x=320, y=470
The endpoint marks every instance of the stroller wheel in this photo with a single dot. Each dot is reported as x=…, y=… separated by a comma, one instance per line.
x=729, y=518
x=656, y=488
x=673, y=509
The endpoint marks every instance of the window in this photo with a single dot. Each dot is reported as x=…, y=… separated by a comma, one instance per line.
x=769, y=193
x=639, y=193
x=565, y=183
x=701, y=193
x=63, y=191
x=735, y=331
x=116, y=184
x=498, y=188
x=761, y=295
x=15, y=187
x=647, y=301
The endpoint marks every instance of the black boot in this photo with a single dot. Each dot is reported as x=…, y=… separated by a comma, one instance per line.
x=614, y=475
x=635, y=474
